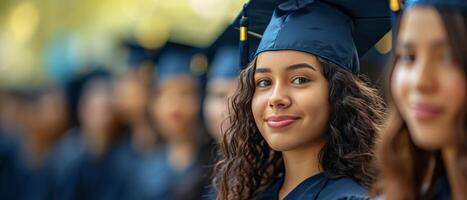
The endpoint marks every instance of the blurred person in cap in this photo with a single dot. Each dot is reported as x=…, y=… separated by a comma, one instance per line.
x=44, y=120
x=131, y=91
x=103, y=168
x=9, y=133
x=304, y=121
x=423, y=150
x=10, y=124
x=175, y=170
x=10, y=127
x=222, y=82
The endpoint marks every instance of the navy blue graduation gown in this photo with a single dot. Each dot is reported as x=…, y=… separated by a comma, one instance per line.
x=157, y=179
x=320, y=187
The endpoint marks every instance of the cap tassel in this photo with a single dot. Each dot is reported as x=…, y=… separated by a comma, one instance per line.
x=243, y=44
x=395, y=7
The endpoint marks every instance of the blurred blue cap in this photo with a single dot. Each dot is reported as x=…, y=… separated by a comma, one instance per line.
x=137, y=54
x=226, y=62
x=458, y=4
x=175, y=60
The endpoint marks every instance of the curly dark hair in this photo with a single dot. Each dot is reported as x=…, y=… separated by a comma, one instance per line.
x=247, y=165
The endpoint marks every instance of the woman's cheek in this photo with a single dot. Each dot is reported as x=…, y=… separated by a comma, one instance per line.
x=258, y=104
x=400, y=85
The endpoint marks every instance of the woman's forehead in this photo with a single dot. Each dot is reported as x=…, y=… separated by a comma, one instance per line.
x=286, y=60
x=422, y=25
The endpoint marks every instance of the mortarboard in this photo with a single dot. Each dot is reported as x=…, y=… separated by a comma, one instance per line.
x=339, y=31
x=225, y=64
x=178, y=59
x=137, y=54
x=458, y=4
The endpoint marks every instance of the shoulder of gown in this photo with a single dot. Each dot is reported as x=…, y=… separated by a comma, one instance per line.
x=343, y=189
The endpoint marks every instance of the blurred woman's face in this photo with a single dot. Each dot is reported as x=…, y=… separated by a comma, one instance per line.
x=96, y=112
x=216, y=105
x=131, y=95
x=53, y=111
x=291, y=100
x=428, y=86
x=176, y=106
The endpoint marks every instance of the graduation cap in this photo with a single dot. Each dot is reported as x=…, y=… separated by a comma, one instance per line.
x=225, y=63
x=179, y=59
x=339, y=31
x=137, y=54
x=458, y=4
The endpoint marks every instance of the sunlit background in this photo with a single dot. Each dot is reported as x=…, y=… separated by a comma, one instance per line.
x=45, y=41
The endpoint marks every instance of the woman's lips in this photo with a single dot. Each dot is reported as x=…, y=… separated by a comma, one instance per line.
x=280, y=121
x=424, y=111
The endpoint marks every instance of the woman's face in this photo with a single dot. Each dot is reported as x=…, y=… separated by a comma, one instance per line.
x=176, y=106
x=131, y=95
x=291, y=100
x=96, y=112
x=216, y=105
x=428, y=87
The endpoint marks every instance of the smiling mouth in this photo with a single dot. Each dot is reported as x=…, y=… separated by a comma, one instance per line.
x=425, y=111
x=281, y=121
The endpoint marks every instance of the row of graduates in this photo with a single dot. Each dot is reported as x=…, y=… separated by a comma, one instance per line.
x=138, y=134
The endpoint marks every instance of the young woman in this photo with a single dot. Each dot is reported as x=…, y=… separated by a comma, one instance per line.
x=423, y=149
x=221, y=84
x=303, y=121
x=175, y=169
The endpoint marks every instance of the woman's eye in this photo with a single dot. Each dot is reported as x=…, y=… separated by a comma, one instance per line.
x=406, y=58
x=300, y=80
x=263, y=83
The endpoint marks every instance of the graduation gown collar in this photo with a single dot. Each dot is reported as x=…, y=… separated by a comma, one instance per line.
x=314, y=183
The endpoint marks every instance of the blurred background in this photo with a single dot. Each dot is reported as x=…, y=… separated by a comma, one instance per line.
x=49, y=40
x=118, y=99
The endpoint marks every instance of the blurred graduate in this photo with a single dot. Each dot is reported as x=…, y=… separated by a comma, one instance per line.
x=131, y=92
x=222, y=82
x=176, y=170
x=27, y=171
x=423, y=150
x=98, y=166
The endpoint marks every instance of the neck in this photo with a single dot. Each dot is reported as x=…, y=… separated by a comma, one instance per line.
x=456, y=179
x=181, y=153
x=97, y=141
x=142, y=138
x=37, y=149
x=136, y=119
x=300, y=164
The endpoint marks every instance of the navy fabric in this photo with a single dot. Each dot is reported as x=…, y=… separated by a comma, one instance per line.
x=226, y=64
x=175, y=60
x=457, y=4
x=157, y=179
x=319, y=187
x=104, y=177
x=336, y=30
x=138, y=54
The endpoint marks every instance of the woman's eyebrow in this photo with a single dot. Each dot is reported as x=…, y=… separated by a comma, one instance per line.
x=289, y=68
x=439, y=44
x=262, y=70
x=300, y=65
x=405, y=45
